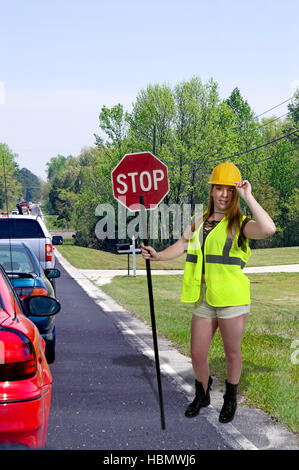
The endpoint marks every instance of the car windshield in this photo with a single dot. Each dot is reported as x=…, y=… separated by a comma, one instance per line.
x=20, y=228
x=17, y=259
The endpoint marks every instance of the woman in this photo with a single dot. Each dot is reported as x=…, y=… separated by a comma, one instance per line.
x=217, y=250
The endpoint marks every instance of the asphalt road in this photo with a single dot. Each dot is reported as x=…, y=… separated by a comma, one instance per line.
x=105, y=393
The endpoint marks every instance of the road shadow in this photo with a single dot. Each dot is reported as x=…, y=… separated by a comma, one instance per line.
x=145, y=369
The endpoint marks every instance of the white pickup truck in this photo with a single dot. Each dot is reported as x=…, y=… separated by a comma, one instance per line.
x=32, y=231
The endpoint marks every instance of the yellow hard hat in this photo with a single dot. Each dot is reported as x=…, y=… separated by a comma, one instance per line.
x=226, y=173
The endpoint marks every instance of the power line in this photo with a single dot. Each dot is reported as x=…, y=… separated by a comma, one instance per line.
x=274, y=107
x=236, y=154
x=265, y=112
x=268, y=158
x=272, y=120
x=251, y=163
x=254, y=148
x=257, y=127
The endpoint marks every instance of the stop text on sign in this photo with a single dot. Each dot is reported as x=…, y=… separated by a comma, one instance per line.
x=140, y=174
x=146, y=181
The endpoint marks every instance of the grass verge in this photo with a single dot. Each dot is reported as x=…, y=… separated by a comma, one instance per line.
x=88, y=258
x=269, y=378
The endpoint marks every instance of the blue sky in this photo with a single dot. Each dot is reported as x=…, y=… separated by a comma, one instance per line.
x=61, y=61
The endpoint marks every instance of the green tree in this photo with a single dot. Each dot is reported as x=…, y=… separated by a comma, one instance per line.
x=113, y=122
x=10, y=188
x=64, y=189
x=31, y=187
x=154, y=107
x=291, y=235
x=294, y=116
x=95, y=172
x=55, y=166
x=294, y=107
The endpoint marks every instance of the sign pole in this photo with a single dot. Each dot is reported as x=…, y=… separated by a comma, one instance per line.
x=152, y=311
x=134, y=256
x=155, y=140
x=141, y=178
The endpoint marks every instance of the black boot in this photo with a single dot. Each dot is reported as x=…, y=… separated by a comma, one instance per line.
x=201, y=399
x=230, y=403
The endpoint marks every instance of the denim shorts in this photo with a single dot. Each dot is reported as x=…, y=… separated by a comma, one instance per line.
x=203, y=309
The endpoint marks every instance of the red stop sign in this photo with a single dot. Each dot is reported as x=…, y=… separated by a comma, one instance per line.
x=140, y=174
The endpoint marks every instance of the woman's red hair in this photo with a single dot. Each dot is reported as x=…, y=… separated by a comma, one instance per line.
x=234, y=214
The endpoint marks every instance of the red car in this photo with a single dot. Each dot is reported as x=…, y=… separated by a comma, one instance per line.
x=25, y=377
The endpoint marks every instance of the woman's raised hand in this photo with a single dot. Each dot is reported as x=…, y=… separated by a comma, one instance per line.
x=244, y=188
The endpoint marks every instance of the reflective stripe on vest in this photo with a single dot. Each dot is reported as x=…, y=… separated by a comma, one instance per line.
x=191, y=258
x=225, y=258
x=220, y=259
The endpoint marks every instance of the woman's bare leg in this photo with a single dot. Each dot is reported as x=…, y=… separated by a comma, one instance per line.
x=231, y=330
x=202, y=332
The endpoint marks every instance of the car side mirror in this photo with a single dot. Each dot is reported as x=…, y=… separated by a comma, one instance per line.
x=40, y=306
x=57, y=240
x=52, y=273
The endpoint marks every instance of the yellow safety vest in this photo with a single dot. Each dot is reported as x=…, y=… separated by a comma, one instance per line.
x=224, y=260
